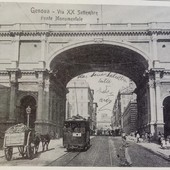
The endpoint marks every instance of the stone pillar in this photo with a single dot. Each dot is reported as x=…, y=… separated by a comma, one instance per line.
x=159, y=108
x=43, y=51
x=40, y=96
x=154, y=47
x=151, y=87
x=15, y=57
x=39, y=123
x=47, y=100
x=13, y=85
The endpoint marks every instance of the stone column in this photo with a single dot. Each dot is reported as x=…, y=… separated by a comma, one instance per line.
x=40, y=104
x=47, y=100
x=159, y=108
x=13, y=86
x=43, y=51
x=151, y=88
x=16, y=46
x=154, y=47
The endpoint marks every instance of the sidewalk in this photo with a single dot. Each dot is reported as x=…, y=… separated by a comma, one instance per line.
x=55, y=151
x=153, y=147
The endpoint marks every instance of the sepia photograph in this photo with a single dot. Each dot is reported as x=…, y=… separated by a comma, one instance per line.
x=85, y=84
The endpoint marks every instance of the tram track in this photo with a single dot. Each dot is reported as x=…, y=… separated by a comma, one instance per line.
x=96, y=153
x=110, y=153
x=57, y=159
x=65, y=159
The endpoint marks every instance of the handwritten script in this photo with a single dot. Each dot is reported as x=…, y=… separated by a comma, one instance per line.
x=106, y=75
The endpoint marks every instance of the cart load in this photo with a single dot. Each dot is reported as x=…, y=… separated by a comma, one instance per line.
x=16, y=135
x=19, y=136
x=19, y=128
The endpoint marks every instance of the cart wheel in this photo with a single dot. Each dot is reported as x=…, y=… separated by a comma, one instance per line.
x=68, y=149
x=30, y=152
x=8, y=153
x=85, y=148
x=21, y=150
x=88, y=145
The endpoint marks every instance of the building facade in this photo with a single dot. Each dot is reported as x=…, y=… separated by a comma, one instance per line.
x=94, y=117
x=130, y=118
x=105, y=122
x=79, y=100
x=124, y=114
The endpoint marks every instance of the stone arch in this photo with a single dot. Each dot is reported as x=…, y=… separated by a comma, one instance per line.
x=90, y=56
x=24, y=101
x=24, y=95
x=106, y=42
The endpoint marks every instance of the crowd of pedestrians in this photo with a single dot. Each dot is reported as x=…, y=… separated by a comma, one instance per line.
x=144, y=137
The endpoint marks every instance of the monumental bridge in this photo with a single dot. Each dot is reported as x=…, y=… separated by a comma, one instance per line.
x=38, y=60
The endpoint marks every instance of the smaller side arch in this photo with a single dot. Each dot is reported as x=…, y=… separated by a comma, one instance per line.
x=25, y=100
x=22, y=95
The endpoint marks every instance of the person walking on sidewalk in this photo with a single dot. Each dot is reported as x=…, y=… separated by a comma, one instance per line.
x=137, y=137
x=149, y=137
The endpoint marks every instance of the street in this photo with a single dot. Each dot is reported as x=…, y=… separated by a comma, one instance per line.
x=105, y=151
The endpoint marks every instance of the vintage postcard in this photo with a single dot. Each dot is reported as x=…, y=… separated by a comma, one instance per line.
x=85, y=85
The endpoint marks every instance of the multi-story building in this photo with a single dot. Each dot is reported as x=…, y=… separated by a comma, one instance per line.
x=124, y=112
x=105, y=122
x=79, y=99
x=94, y=116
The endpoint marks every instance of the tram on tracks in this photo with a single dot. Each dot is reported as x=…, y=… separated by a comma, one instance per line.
x=76, y=134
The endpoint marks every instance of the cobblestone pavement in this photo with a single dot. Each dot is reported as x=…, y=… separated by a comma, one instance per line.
x=142, y=157
x=105, y=151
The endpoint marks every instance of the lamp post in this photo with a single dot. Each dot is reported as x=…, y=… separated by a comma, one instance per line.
x=28, y=111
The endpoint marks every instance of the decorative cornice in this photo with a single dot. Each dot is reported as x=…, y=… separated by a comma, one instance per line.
x=27, y=72
x=3, y=73
x=167, y=72
x=85, y=33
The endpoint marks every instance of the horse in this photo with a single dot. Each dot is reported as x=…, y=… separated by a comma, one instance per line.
x=44, y=139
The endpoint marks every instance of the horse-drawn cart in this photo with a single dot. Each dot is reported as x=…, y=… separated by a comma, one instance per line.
x=19, y=136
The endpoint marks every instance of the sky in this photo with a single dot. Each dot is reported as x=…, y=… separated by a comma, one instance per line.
x=106, y=86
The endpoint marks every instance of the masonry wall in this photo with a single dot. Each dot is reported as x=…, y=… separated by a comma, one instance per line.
x=130, y=118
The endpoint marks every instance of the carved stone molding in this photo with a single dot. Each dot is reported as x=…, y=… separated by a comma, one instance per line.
x=13, y=74
x=151, y=83
x=40, y=84
x=157, y=83
x=85, y=33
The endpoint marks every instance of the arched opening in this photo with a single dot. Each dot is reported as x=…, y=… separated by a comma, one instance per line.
x=99, y=57
x=166, y=113
x=24, y=103
x=103, y=58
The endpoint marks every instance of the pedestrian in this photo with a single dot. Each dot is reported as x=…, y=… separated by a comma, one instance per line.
x=124, y=138
x=149, y=137
x=127, y=156
x=146, y=137
x=137, y=137
x=159, y=137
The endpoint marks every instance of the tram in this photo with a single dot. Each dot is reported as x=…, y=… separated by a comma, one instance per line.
x=76, y=134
